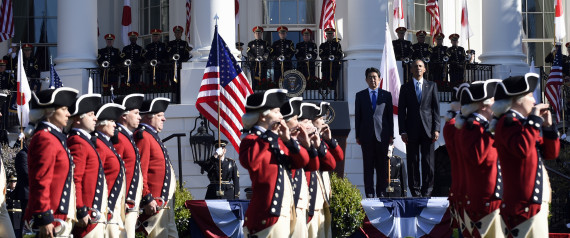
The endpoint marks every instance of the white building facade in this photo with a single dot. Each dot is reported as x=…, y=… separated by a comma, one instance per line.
x=507, y=34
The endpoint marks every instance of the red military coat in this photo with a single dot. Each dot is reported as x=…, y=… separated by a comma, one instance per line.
x=484, y=182
x=517, y=140
x=89, y=178
x=114, y=170
x=129, y=152
x=456, y=190
x=258, y=154
x=50, y=176
x=155, y=165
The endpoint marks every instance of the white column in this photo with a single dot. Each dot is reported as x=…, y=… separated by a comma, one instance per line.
x=502, y=39
x=364, y=30
x=77, y=41
x=203, y=24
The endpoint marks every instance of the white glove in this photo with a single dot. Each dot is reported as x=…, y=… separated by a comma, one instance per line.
x=218, y=152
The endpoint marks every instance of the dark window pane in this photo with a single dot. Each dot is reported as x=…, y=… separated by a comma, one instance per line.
x=420, y=15
x=535, y=26
x=155, y=17
x=52, y=30
x=288, y=12
x=154, y=3
x=549, y=25
x=534, y=5
x=549, y=6
x=271, y=12
x=523, y=5
x=524, y=22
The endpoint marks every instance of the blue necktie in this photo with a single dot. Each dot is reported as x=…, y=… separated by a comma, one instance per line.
x=374, y=100
x=419, y=91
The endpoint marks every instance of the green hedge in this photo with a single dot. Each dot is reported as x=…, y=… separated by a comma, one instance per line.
x=346, y=211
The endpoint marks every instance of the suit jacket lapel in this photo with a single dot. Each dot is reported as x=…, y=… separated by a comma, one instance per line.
x=425, y=88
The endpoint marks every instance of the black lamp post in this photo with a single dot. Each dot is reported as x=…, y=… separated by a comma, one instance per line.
x=202, y=143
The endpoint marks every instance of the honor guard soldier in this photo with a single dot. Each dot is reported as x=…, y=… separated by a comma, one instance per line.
x=160, y=181
x=283, y=52
x=12, y=59
x=456, y=60
x=134, y=53
x=330, y=52
x=258, y=51
x=565, y=60
x=89, y=175
x=109, y=60
x=113, y=166
x=156, y=55
x=239, y=47
x=51, y=167
x=6, y=82
x=403, y=50
x=13, y=205
x=306, y=54
x=22, y=190
x=268, y=153
x=421, y=50
x=229, y=183
x=402, y=47
x=127, y=123
x=178, y=51
x=31, y=67
x=438, y=60
x=525, y=135
x=482, y=173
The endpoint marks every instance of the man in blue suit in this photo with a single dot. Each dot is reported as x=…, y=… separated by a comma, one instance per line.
x=374, y=126
x=418, y=120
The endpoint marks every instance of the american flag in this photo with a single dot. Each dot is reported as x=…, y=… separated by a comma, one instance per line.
x=6, y=22
x=223, y=84
x=432, y=7
x=552, y=91
x=188, y=19
x=55, y=81
x=327, y=14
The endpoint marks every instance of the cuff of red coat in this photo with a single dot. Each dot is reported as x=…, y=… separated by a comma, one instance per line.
x=43, y=218
x=293, y=147
x=550, y=132
x=322, y=150
x=82, y=212
x=313, y=152
x=147, y=199
x=332, y=143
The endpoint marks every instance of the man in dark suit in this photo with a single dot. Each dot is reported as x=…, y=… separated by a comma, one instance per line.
x=418, y=119
x=374, y=126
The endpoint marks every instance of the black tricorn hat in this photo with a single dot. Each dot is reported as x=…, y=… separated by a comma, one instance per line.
x=323, y=108
x=309, y=111
x=222, y=143
x=457, y=90
x=269, y=99
x=85, y=103
x=516, y=85
x=3, y=98
x=155, y=105
x=109, y=111
x=131, y=101
x=50, y=98
x=292, y=107
x=478, y=91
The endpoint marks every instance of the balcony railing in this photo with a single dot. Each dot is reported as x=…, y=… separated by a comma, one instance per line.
x=473, y=72
x=318, y=85
x=151, y=81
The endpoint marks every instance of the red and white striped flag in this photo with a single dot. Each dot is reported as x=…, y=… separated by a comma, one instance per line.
x=188, y=19
x=398, y=17
x=225, y=85
x=6, y=21
x=432, y=7
x=554, y=83
x=466, y=31
x=327, y=14
x=560, y=26
x=126, y=22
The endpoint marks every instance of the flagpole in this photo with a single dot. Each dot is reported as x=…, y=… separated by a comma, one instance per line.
x=219, y=193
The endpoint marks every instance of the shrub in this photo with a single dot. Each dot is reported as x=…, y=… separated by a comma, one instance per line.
x=181, y=213
x=346, y=211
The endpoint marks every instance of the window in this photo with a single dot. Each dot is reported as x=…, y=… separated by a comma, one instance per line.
x=35, y=22
x=538, y=26
x=153, y=15
x=283, y=12
x=418, y=19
